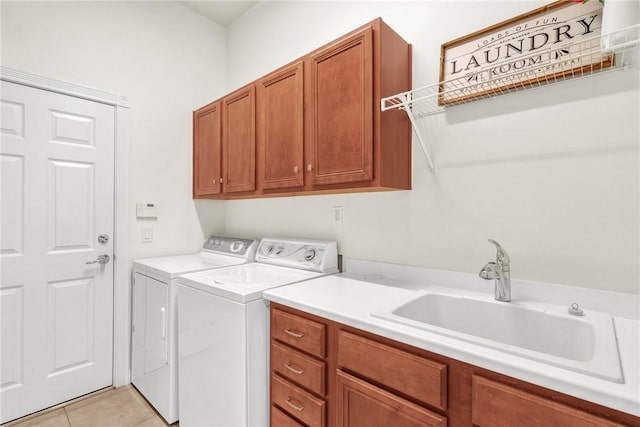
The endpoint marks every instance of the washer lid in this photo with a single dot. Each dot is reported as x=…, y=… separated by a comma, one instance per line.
x=173, y=266
x=245, y=283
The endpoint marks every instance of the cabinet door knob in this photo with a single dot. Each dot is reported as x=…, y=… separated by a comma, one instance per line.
x=295, y=169
x=214, y=181
x=221, y=180
x=309, y=167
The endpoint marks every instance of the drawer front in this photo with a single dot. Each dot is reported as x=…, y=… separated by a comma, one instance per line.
x=298, y=403
x=298, y=367
x=359, y=403
x=299, y=332
x=415, y=376
x=498, y=405
x=280, y=419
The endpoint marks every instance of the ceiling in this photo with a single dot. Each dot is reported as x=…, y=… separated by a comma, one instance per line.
x=222, y=12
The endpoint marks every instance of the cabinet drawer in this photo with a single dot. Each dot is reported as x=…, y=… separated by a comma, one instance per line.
x=280, y=419
x=362, y=404
x=297, y=402
x=499, y=405
x=299, y=332
x=412, y=375
x=298, y=367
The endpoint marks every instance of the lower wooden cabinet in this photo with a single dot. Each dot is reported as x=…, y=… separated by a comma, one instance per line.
x=280, y=419
x=360, y=404
x=297, y=402
x=399, y=370
x=335, y=375
x=499, y=405
x=299, y=368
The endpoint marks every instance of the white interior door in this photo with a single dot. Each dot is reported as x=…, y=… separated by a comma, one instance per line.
x=57, y=171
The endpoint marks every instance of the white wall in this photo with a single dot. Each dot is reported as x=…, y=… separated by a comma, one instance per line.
x=167, y=60
x=551, y=173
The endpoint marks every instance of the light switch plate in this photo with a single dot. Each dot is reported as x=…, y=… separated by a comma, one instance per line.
x=147, y=234
x=337, y=215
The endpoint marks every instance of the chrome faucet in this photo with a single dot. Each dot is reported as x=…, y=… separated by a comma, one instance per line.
x=500, y=272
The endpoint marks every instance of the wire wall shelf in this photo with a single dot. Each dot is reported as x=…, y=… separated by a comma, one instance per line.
x=619, y=50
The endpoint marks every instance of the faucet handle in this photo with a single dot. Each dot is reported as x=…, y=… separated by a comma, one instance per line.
x=502, y=259
x=488, y=271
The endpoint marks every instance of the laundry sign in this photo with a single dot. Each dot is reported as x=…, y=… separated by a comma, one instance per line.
x=559, y=40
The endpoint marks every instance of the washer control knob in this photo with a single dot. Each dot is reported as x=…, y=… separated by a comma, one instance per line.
x=309, y=254
x=278, y=250
x=236, y=246
x=267, y=250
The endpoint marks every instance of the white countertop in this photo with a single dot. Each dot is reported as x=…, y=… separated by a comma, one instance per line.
x=349, y=299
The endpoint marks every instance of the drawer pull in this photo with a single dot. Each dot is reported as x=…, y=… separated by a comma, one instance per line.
x=292, y=369
x=294, y=406
x=295, y=334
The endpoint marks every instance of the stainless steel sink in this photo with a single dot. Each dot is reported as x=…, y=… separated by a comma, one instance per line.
x=545, y=333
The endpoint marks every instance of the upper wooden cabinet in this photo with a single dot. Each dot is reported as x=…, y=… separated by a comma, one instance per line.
x=239, y=141
x=315, y=126
x=280, y=125
x=341, y=109
x=207, y=150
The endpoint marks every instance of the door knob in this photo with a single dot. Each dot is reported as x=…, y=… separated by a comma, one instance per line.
x=102, y=259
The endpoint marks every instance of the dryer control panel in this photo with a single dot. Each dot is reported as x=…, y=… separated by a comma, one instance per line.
x=313, y=255
x=234, y=246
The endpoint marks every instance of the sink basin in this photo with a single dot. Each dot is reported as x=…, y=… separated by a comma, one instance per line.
x=585, y=344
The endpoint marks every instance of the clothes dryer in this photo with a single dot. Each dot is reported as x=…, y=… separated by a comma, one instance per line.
x=154, y=352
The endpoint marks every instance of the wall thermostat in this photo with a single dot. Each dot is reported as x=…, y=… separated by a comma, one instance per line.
x=146, y=210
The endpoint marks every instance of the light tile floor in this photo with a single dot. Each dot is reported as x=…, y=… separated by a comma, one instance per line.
x=119, y=407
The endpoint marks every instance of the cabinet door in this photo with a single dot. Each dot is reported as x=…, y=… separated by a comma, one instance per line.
x=359, y=403
x=499, y=405
x=280, y=128
x=207, y=144
x=238, y=141
x=341, y=92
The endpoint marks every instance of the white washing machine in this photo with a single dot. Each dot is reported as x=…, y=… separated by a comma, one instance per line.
x=154, y=349
x=224, y=331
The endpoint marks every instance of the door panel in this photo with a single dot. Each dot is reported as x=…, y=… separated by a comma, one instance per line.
x=12, y=326
x=57, y=197
x=70, y=128
x=12, y=118
x=70, y=325
x=72, y=198
x=12, y=236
